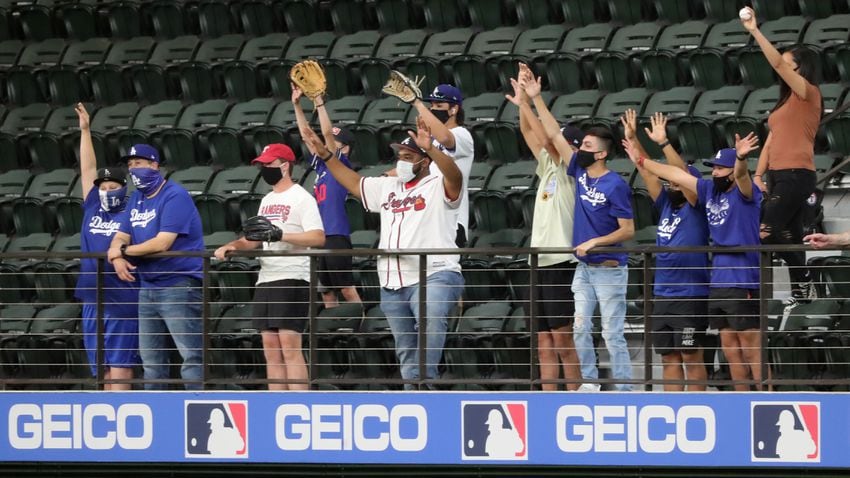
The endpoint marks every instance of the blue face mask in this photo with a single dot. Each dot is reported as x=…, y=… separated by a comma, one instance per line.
x=146, y=180
x=113, y=200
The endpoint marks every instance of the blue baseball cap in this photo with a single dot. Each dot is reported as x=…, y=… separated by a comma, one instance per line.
x=694, y=171
x=725, y=158
x=142, y=151
x=445, y=94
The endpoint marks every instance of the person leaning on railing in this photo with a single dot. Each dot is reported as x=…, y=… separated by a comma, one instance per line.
x=732, y=205
x=418, y=211
x=554, y=205
x=680, y=308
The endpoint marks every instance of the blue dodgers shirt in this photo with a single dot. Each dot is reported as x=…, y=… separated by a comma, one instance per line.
x=680, y=274
x=330, y=196
x=99, y=228
x=171, y=210
x=599, y=203
x=733, y=220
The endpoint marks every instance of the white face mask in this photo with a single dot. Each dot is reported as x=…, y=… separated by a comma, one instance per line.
x=404, y=170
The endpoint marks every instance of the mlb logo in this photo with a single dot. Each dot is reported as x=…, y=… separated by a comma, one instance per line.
x=494, y=431
x=787, y=432
x=216, y=429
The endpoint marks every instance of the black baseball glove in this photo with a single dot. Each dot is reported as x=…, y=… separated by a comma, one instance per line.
x=259, y=228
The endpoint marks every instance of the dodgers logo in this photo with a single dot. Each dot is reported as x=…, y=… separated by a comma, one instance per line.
x=216, y=429
x=494, y=431
x=718, y=211
x=787, y=432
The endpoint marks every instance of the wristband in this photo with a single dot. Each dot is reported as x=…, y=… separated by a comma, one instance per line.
x=123, y=249
x=740, y=158
x=326, y=158
x=640, y=161
x=664, y=144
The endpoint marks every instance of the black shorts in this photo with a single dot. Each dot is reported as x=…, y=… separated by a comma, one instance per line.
x=282, y=304
x=335, y=271
x=735, y=308
x=556, y=307
x=679, y=323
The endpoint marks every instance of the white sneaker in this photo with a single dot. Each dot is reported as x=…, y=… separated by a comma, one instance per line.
x=590, y=387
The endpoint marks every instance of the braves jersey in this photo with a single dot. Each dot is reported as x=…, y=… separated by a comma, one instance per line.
x=99, y=228
x=330, y=196
x=413, y=216
x=293, y=211
x=463, y=154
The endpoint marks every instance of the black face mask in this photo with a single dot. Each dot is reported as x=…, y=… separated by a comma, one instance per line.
x=442, y=115
x=584, y=159
x=271, y=175
x=677, y=198
x=722, y=184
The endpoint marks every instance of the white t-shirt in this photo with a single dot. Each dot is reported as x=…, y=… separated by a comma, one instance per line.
x=293, y=210
x=463, y=154
x=553, y=209
x=416, y=217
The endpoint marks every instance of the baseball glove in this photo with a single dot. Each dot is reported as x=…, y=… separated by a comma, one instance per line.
x=259, y=228
x=309, y=77
x=402, y=87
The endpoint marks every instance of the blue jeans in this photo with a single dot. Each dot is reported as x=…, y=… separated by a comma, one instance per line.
x=606, y=285
x=174, y=310
x=402, y=310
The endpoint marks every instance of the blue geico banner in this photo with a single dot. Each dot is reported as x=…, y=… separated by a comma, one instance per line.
x=697, y=429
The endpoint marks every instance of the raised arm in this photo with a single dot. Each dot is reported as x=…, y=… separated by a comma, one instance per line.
x=551, y=128
x=439, y=130
x=764, y=162
x=653, y=184
x=794, y=80
x=668, y=172
x=520, y=99
x=629, y=122
x=743, y=146
x=658, y=134
x=452, y=177
x=300, y=117
x=88, y=162
x=349, y=179
x=325, y=123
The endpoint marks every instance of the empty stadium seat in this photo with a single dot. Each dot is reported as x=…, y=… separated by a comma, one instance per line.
x=571, y=67
x=616, y=68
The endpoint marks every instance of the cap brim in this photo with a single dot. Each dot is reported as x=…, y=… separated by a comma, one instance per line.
x=434, y=99
x=263, y=159
x=124, y=159
x=397, y=146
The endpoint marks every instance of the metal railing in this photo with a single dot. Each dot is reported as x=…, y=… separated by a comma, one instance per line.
x=349, y=353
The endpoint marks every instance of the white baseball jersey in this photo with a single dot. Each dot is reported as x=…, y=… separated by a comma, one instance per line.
x=293, y=210
x=414, y=216
x=463, y=154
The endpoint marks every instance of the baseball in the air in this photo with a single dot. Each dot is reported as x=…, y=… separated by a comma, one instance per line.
x=745, y=14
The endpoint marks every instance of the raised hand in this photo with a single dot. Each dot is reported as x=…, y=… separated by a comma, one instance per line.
x=743, y=146
x=422, y=137
x=532, y=86
x=519, y=95
x=525, y=73
x=629, y=121
x=314, y=143
x=750, y=24
x=296, y=93
x=659, y=128
x=83, y=115
x=632, y=151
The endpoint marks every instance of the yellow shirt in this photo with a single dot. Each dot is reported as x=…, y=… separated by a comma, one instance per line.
x=553, y=209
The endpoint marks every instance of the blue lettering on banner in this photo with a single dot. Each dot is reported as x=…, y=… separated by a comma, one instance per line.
x=534, y=428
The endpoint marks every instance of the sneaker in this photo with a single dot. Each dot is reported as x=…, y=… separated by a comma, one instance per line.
x=808, y=291
x=590, y=387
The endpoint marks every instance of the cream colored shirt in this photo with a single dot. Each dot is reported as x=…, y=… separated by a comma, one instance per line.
x=553, y=209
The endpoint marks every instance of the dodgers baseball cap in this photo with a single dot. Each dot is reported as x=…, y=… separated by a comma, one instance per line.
x=111, y=174
x=142, y=151
x=445, y=94
x=408, y=144
x=274, y=151
x=694, y=171
x=343, y=134
x=573, y=135
x=725, y=158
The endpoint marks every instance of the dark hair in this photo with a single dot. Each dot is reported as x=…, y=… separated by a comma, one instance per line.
x=460, y=116
x=808, y=66
x=606, y=139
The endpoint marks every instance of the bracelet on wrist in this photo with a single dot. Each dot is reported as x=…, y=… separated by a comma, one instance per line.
x=640, y=161
x=329, y=156
x=123, y=249
x=664, y=144
x=740, y=158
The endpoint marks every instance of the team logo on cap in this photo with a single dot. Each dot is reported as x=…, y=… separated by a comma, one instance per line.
x=787, y=432
x=494, y=431
x=216, y=429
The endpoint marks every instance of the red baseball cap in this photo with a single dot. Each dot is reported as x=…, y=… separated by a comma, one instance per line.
x=275, y=151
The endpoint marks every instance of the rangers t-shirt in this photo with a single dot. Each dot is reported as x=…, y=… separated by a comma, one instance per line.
x=293, y=211
x=681, y=274
x=599, y=203
x=330, y=196
x=464, y=155
x=99, y=227
x=413, y=216
x=733, y=220
x=171, y=210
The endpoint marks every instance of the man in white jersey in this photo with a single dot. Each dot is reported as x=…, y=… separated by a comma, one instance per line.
x=282, y=294
x=417, y=211
x=444, y=117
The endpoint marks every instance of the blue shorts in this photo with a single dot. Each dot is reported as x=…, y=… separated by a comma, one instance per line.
x=120, y=335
